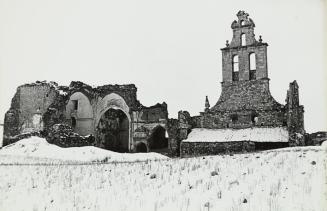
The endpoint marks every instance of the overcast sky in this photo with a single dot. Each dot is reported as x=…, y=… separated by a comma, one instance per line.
x=169, y=49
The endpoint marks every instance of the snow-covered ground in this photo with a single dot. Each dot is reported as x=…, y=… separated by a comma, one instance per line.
x=256, y=134
x=285, y=179
x=38, y=150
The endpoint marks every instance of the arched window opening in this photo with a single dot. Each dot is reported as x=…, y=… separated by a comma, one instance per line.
x=243, y=40
x=73, y=122
x=252, y=61
x=235, y=63
x=235, y=68
x=242, y=23
x=252, y=66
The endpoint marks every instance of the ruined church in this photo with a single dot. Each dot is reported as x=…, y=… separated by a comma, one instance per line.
x=245, y=118
x=108, y=116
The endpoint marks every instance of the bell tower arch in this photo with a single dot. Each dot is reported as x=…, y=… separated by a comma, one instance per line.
x=251, y=63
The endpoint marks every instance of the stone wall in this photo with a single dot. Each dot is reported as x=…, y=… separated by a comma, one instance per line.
x=127, y=92
x=35, y=99
x=28, y=106
x=41, y=106
x=245, y=104
x=295, y=119
x=315, y=139
x=174, y=138
x=146, y=120
x=189, y=149
x=152, y=114
x=63, y=135
x=246, y=95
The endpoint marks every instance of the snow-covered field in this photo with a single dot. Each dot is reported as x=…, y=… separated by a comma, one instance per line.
x=38, y=151
x=285, y=179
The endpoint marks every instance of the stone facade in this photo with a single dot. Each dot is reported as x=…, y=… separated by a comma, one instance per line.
x=111, y=114
x=245, y=100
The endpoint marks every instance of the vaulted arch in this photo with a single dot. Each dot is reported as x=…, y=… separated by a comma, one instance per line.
x=79, y=113
x=113, y=123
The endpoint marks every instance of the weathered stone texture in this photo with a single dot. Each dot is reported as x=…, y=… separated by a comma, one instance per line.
x=42, y=106
x=295, y=119
x=174, y=138
x=29, y=104
x=63, y=135
x=127, y=92
x=315, y=139
x=246, y=95
x=213, y=148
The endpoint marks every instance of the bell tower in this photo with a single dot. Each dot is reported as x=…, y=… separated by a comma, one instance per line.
x=244, y=58
x=245, y=85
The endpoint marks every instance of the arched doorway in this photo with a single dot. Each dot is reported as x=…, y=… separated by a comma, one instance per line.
x=141, y=147
x=158, y=140
x=113, y=128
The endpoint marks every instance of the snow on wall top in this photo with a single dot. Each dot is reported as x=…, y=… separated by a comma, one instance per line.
x=277, y=134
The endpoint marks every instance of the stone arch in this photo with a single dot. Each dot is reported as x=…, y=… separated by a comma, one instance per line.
x=113, y=130
x=141, y=147
x=79, y=108
x=113, y=101
x=157, y=139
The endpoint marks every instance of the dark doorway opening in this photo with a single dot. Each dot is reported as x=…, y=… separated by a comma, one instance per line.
x=73, y=119
x=113, y=128
x=141, y=147
x=158, y=140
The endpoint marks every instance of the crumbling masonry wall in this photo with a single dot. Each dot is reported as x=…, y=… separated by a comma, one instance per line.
x=28, y=106
x=51, y=110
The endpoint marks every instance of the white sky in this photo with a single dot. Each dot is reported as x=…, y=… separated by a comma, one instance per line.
x=170, y=49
